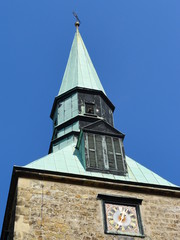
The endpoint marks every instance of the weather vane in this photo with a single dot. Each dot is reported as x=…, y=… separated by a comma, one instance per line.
x=77, y=23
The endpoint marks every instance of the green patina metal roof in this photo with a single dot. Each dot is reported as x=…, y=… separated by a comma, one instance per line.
x=68, y=160
x=80, y=71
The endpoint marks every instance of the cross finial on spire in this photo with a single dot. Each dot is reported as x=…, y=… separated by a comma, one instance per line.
x=77, y=23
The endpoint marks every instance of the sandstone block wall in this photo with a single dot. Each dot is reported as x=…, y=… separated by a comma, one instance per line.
x=48, y=210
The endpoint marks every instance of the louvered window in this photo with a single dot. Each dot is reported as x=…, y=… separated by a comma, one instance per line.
x=91, y=155
x=105, y=153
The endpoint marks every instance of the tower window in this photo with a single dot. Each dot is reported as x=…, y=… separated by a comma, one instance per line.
x=105, y=153
x=89, y=108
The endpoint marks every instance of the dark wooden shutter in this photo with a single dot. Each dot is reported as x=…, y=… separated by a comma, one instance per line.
x=110, y=150
x=105, y=153
x=118, y=154
x=92, y=157
x=99, y=152
x=124, y=158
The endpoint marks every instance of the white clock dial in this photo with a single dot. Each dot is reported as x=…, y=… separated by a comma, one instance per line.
x=121, y=218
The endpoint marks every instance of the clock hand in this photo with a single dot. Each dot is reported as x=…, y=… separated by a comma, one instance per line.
x=123, y=214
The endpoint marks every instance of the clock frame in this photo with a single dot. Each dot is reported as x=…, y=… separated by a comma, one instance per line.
x=122, y=215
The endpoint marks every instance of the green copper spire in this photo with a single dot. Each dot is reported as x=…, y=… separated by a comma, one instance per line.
x=80, y=71
x=84, y=140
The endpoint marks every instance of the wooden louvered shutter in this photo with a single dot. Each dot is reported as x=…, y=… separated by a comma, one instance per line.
x=99, y=152
x=111, y=155
x=118, y=154
x=91, y=148
x=105, y=153
x=124, y=157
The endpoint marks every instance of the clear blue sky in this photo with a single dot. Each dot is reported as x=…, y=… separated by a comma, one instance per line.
x=135, y=48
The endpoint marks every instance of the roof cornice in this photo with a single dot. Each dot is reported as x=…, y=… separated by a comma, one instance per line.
x=95, y=181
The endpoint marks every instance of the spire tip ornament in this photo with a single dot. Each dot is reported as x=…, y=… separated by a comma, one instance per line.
x=77, y=23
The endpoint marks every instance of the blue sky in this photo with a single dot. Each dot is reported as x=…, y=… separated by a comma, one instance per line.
x=135, y=48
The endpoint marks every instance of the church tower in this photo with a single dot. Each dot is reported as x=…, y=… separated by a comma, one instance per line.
x=86, y=187
x=83, y=114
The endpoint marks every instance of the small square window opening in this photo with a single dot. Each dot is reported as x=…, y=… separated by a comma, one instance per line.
x=89, y=108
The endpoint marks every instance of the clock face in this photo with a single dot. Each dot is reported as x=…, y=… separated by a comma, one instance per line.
x=121, y=219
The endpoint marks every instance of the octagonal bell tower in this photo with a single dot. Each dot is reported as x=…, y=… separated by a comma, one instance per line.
x=82, y=113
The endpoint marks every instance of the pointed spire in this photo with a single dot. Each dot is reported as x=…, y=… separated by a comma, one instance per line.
x=79, y=71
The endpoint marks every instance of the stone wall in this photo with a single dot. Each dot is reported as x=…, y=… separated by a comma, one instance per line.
x=52, y=210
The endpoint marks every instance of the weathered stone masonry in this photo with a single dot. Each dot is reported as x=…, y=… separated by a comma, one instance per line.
x=57, y=210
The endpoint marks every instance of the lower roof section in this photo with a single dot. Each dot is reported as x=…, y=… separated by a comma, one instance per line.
x=68, y=160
